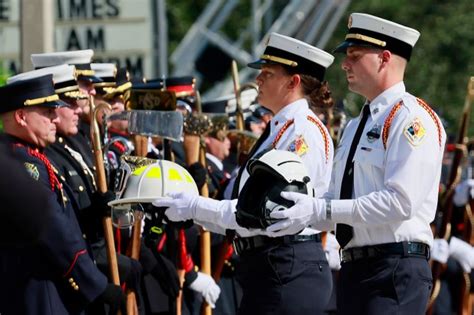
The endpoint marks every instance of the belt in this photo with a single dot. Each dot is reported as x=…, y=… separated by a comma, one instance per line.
x=242, y=244
x=403, y=249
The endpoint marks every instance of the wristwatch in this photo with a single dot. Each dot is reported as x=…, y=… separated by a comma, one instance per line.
x=328, y=209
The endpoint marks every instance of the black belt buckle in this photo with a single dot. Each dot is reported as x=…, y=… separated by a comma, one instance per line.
x=419, y=249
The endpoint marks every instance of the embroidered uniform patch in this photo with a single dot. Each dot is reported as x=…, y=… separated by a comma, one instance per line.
x=415, y=132
x=298, y=146
x=32, y=170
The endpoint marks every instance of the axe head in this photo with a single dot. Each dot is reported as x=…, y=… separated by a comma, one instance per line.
x=153, y=123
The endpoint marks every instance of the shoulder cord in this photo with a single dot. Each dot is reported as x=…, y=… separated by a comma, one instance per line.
x=53, y=180
x=314, y=121
x=388, y=121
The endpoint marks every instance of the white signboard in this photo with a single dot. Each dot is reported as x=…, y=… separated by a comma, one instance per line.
x=118, y=31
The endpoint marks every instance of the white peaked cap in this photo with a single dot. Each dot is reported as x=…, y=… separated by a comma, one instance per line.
x=75, y=57
x=104, y=70
x=61, y=74
x=301, y=49
x=296, y=54
x=369, y=30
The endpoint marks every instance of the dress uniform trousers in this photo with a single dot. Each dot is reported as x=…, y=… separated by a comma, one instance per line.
x=287, y=278
x=384, y=284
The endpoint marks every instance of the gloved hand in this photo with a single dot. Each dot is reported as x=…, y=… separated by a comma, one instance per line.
x=184, y=206
x=463, y=192
x=199, y=174
x=134, y=275
x=440, y=250
x=208, y=288
x=332, y=252
x=293, y=220
x=166, y=275
x=181, y=206
x=100, y=202
x=462, y=252
x=114, y=298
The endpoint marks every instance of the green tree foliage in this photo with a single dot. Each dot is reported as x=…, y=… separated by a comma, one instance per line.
x=441, y=63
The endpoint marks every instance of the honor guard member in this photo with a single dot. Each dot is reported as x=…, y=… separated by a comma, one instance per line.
x=285, y=275
x=89, y=205
x=106, y=91
x=86, y=78
x=117, y=128
x=61, y=277
x=384, y=189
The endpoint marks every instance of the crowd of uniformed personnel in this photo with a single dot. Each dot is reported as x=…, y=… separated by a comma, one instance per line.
x=378, y=190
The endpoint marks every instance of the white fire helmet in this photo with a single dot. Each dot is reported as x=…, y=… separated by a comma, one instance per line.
x=144, y=185
x=271, y=172
x=149, y=182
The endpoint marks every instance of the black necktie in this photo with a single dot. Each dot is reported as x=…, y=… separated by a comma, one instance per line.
x=263, y=137
x=345, y=232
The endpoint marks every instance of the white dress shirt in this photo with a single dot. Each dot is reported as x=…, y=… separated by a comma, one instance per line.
x=395, y=187
x=318, y=158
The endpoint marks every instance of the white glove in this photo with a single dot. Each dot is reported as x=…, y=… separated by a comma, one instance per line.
x=440, y=250
x=462, y=252
x=293, y=220
x=181, y=206
x=332, y=252
x=208, y=288
x=184, y=206
x=463, y=192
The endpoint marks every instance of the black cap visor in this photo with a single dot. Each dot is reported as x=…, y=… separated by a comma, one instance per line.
x=90, y=78
x=57, y=103
x=259, y=63
x=342, y=47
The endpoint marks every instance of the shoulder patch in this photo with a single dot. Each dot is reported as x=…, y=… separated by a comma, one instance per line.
x=299, y=146
x=32, y=170
x=415, y=132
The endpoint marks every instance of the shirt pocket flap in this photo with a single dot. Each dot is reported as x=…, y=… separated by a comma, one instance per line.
x=369, y=155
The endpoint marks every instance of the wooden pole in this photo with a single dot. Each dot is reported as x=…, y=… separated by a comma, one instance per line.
x=102, y=187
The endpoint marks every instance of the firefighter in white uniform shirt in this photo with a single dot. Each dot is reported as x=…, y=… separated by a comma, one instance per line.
x=285, y=275
x=384, y=187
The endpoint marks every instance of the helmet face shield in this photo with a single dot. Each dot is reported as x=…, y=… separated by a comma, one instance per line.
x=125, y=215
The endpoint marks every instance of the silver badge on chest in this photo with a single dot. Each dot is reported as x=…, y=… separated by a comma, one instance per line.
x=374, y=133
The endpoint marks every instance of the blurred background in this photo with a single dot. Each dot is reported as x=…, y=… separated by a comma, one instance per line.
x=158, y=38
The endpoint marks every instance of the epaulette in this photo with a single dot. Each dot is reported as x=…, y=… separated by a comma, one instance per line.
x=388, y=121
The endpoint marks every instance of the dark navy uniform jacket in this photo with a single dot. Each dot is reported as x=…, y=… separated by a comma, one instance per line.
x=56, y=275
x=80, y=180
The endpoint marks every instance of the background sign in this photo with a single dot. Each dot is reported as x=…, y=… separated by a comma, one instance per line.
x=119, y=31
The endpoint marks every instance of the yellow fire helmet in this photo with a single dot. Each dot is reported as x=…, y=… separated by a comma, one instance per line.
x=152, y=181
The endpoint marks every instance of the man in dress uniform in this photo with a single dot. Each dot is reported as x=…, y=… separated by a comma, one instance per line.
x=86, y=78
x=384, y=186
x=57, y=276
x=287, y=275
x=89, y=205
